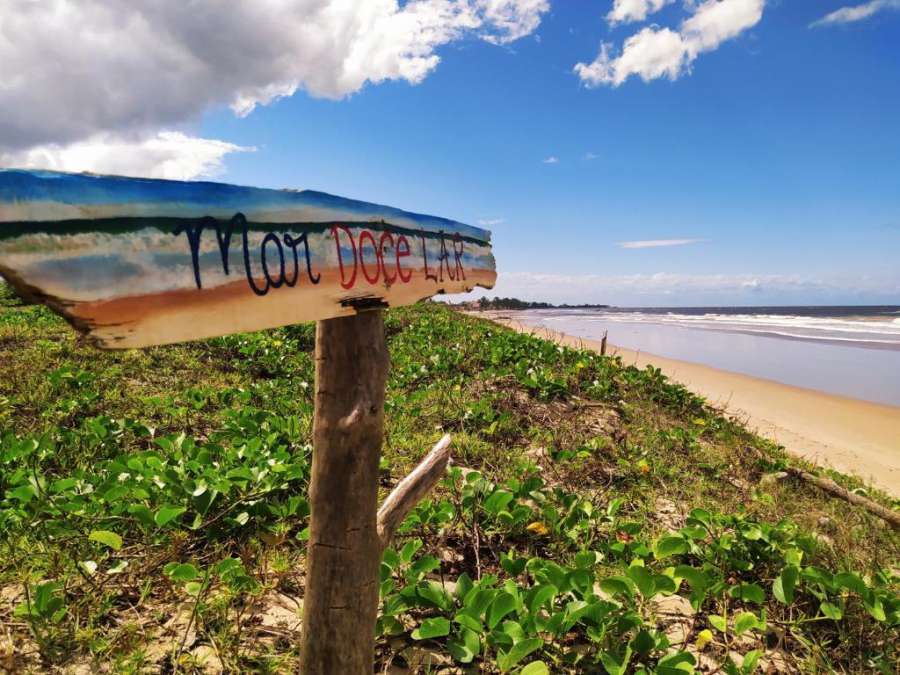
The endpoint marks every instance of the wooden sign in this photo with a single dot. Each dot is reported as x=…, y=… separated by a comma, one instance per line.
x=137, y=262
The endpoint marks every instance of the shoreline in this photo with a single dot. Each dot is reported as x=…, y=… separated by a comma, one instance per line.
x=850, y=435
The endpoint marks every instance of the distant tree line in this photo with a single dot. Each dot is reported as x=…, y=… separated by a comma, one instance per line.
x=514, y=303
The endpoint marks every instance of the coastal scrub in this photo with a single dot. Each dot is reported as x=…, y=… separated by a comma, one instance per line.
x=598, y=518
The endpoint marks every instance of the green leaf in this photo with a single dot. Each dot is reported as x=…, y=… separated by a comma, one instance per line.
x=409, y=550
x=701, y=516
x=478, y=600
x=465, y=647
x=465, y=619
x=784, y=584
x=698, y=579
x=613, y=665
x=831, y=611
x=542, y=595
x=23, y=493
x=643, y=642
x=511, y=565
x=503, y=604
x=586, y=559
x=744, y=621
x=535, y=668
x=434, y=592
x=142, y=514
x=106, y=538
x=751, y=659
x=45, y=597
x=874, y=606
x=193, y=588
x=664, y=584
x=718, y=622
x=498, y=501
x=521, y=649
x=669, y=546
x=679, y=662
x=748, y=593
x=463, y=585
x=819, y=576
x=643, y=579
x=63, y=484
x=184, y=572
x=432, y=628
x=167, y=514
x=617, y=585
x=851, y=582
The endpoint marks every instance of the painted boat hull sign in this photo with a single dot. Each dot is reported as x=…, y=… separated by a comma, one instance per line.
x=135, y=262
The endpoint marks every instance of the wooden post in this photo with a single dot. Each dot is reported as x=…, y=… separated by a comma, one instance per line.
x=344, y=553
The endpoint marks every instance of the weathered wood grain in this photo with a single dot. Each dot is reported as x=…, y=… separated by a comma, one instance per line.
x=410, y=491
x=344, y=551
x=137, y=262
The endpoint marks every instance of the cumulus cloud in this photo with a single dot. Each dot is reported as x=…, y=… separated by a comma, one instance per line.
x=658, y=243
x=552, y=159
x=168, y=154
x=656, y=52
x=74, y=71
x=626, y=11
x=852, y=14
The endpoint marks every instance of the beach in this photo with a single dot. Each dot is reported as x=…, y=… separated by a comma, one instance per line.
x=853, y=436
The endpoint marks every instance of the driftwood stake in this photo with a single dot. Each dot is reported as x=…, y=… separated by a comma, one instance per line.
x=829, y=486
x=344, y=553
x=411, y=489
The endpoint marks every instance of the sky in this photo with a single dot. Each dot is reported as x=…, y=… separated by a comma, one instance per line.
x=628, y=152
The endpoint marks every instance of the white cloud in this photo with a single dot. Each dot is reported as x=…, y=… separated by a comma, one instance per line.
x=650, y=54
x=511, y=19
x=658, y=243
x=854, y=13
x=552, y=159
x=73, y=71
x=589, y=156
x=626, y=11
x=656, y=52
x=490, y=222
x=168, y=154
x=694, y=289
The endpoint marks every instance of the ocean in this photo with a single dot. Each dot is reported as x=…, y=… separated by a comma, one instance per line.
x=849, y=351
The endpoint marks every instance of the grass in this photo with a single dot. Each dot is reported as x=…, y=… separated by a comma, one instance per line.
x=598, y=518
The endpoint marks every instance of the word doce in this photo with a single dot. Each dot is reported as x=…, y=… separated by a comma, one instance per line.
x=373, y=256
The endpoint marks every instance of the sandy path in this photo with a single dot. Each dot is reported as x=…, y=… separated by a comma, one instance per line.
x=852, y=436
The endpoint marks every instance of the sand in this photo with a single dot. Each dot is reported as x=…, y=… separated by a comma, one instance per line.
x=852, y=436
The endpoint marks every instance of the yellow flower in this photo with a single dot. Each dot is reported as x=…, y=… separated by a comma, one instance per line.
x=539, y=528
x=704, y=637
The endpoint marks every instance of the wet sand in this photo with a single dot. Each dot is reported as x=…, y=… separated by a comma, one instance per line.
x=855, y=437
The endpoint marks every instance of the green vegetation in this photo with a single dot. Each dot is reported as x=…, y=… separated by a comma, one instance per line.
x=598, y=518
x=486, y=303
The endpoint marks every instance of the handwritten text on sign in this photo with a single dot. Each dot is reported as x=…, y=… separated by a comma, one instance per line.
x=136, y=262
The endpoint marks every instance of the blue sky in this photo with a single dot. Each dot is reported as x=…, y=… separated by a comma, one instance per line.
x=775, y=153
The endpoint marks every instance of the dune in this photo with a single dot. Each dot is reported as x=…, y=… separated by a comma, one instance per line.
x=852, y=436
